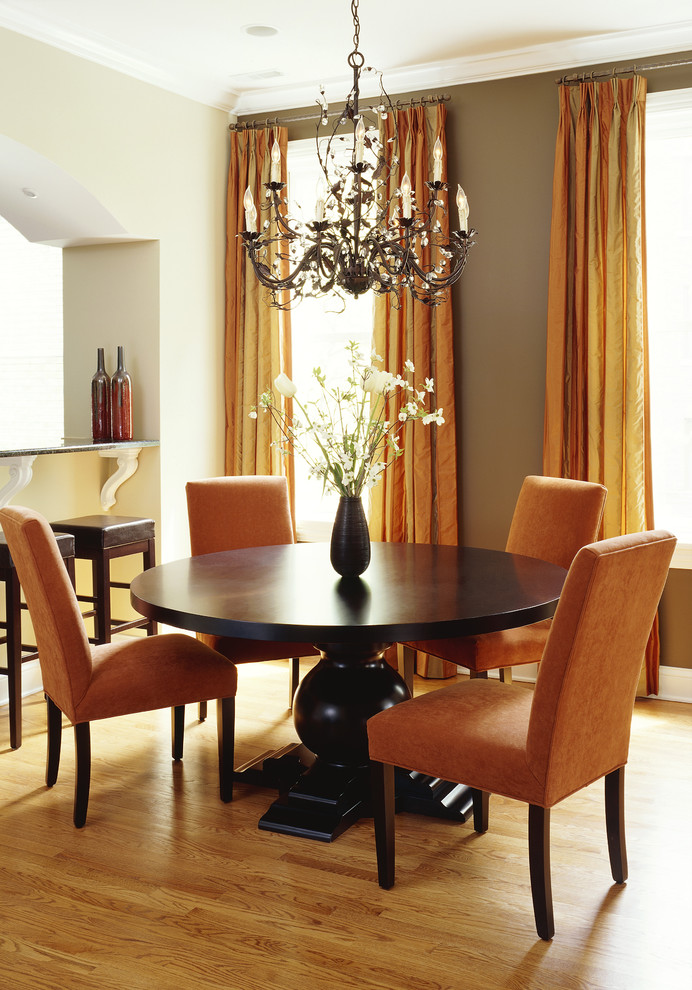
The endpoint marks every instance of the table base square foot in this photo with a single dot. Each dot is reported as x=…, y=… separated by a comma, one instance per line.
x=424, y=795
x=326, y=801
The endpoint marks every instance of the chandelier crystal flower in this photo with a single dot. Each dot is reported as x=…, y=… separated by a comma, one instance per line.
x=365, y=235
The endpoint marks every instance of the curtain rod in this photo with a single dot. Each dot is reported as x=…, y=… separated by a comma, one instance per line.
x=626, y=71
x=253, y=125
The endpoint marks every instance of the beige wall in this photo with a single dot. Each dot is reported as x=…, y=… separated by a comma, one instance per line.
x=157, y=162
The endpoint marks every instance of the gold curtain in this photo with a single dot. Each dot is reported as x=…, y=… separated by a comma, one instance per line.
x=597, y=379
x=258, y=336
x=415, y=500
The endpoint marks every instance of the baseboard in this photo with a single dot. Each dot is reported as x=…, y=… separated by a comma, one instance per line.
x=674, y=683
x=31, y=682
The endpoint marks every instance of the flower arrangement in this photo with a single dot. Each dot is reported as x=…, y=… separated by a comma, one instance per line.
x=345, y=434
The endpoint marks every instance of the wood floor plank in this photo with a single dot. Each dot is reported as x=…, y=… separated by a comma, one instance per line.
x=167, y=887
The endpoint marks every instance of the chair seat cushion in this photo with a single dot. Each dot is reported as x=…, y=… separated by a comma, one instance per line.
x=100, y=532
x=153, y=672
x=491, y=651
x=251, y=650
x=448, y=734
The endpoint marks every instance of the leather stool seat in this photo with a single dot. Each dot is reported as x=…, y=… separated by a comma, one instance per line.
x=16, y=651
x=101, y=539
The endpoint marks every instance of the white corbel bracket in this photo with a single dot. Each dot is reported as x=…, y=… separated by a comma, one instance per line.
x=20, y=476
x=127, y=465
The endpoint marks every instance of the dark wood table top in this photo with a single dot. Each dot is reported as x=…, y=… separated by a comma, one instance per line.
x=291, y=593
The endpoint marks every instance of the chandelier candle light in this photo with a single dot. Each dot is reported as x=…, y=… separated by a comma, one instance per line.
x=362, y=236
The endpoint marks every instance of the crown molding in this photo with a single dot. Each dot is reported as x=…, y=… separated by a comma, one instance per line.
x=203, y=88
x=554, y=57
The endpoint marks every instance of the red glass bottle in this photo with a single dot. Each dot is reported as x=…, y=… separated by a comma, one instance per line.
x=100, y=401
x=121, y=401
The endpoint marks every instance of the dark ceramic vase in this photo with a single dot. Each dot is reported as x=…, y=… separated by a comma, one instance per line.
x=350, y=546
x=100, y=401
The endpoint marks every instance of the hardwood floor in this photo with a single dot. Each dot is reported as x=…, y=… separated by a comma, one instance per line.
x=166, y=887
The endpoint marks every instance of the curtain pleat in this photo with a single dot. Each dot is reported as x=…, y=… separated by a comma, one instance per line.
x=597, y=377
x=416, y=498
x=258, y=336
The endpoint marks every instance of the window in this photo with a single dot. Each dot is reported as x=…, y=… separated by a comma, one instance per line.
x=669, y=277
x=31, y=334
x=320, y=332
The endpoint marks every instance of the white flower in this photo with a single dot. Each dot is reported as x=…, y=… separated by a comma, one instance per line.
x=377, y=382
x=253, y=414
x=285, y=386
x=409, y=366
x=429, y=385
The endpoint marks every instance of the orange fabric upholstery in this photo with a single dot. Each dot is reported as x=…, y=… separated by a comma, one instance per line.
x=553, y=519
x=231, y=514
x=94, y=682
x=574, y=728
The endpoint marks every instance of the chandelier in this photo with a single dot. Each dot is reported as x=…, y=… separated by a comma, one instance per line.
x=364, y=235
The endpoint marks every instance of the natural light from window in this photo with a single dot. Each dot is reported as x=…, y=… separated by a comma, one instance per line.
x=320, y=331
x=669, y=277
x=31, y=335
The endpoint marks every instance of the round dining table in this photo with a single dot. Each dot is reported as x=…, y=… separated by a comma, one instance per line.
x=291, y=593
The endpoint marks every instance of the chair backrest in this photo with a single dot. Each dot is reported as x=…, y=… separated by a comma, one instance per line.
x=233, y=513
x=555, y=517
x=63, y=647
x=581, y=713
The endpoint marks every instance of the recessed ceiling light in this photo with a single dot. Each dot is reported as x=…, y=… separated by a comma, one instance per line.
x=30, y=193
x=260, y=30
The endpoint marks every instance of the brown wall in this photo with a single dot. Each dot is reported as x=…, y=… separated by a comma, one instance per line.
x=501, y=144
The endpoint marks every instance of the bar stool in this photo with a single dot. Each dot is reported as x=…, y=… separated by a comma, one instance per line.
x=101, y=539
x=16, y=651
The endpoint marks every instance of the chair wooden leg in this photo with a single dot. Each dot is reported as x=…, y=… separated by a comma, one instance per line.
x=54, y=741
x=383, y=808
x=506, y=675
x=615, y=823
x=177, y=731
x=481, y=803
x=409, y=665
x=539, y=866
x=82, y=739
x=293, y=679
x=225, y=727
x=202, y=711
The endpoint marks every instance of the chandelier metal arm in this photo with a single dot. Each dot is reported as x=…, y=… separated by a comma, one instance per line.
x=353, y=245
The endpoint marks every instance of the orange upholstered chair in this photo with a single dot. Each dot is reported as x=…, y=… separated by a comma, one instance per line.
x=86, y=683
x=231, y=514
x=544, y=745
x=553, y=518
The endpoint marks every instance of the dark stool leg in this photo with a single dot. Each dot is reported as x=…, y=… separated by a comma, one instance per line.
x=481, y=805
x=149, y=560
x=13, y=617
x=100, y=569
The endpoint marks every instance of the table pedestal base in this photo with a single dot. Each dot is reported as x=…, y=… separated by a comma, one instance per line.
x=327, y=799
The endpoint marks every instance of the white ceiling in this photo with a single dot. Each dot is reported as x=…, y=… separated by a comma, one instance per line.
x=198, y=48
